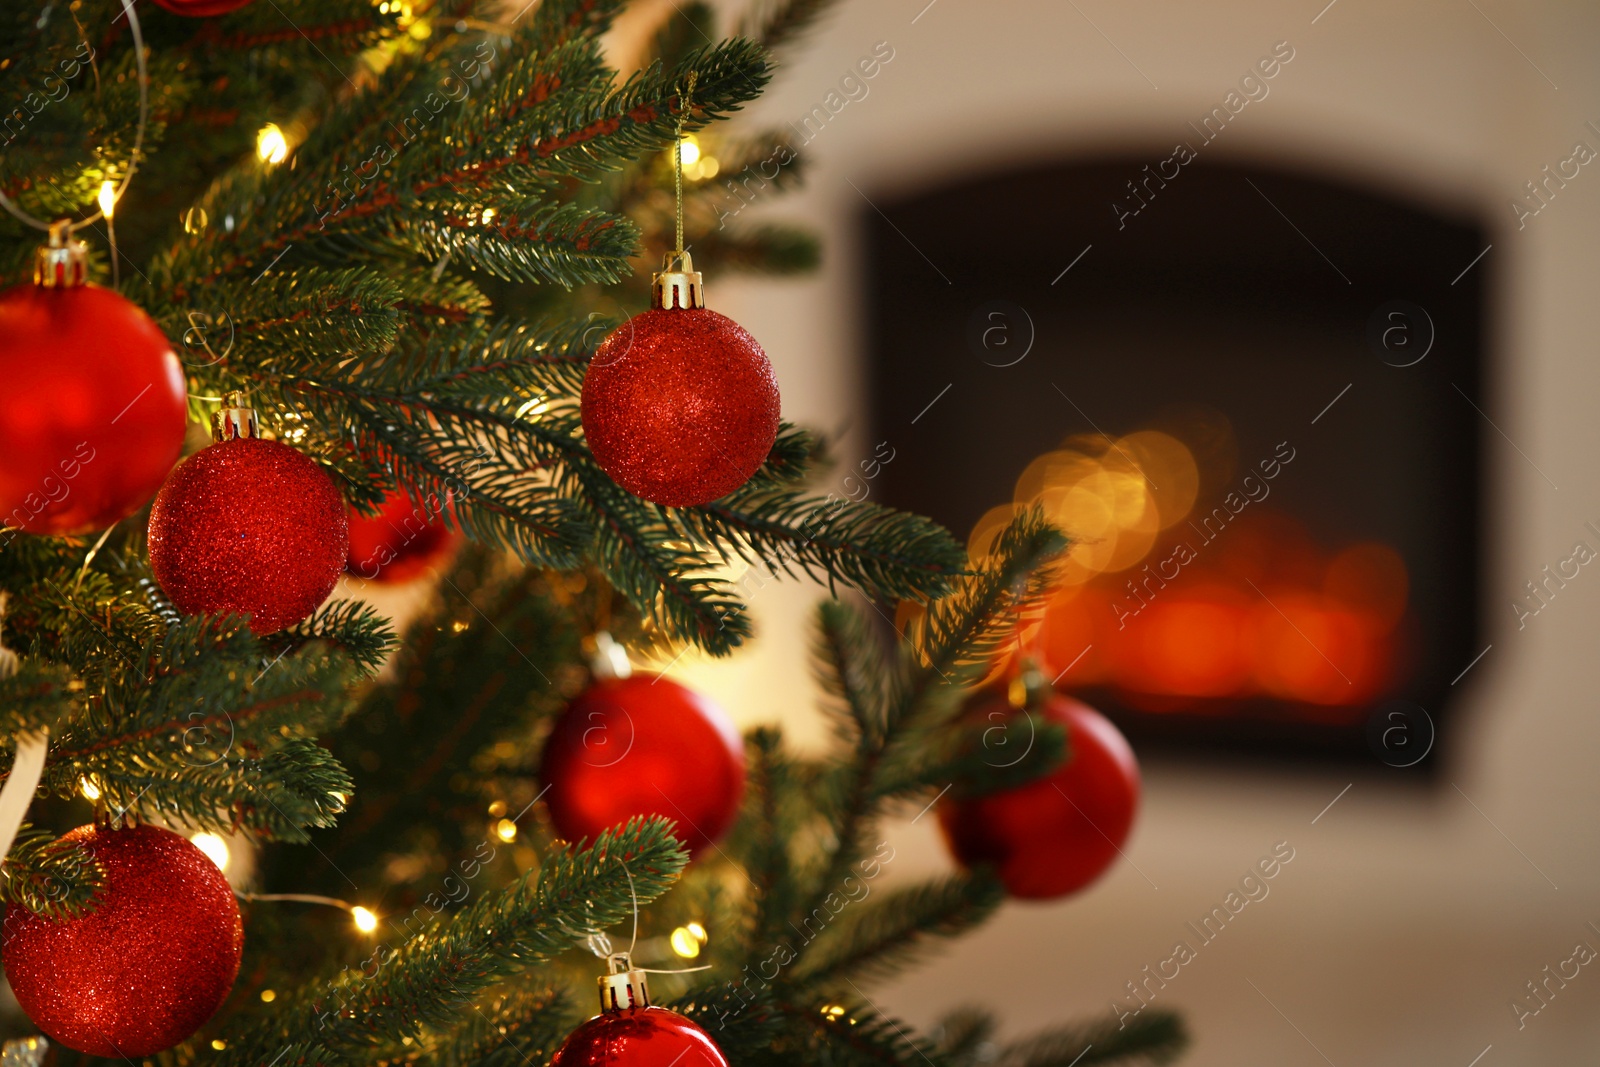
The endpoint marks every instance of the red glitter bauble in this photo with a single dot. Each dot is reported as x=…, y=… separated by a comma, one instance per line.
x=403, y=540
x=680, y=406
x=148, y=966
x=249, y=526
x=643, y=745
x=639, y=1037
x=92, y=408
x=200, y=8
x=1053, y=836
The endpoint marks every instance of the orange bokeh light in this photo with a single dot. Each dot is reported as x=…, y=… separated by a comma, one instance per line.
x=1177, y=608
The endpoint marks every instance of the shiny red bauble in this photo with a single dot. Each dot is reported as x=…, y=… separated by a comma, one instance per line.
x=643, y=745
x=200, y=8
x=402, y=541
x=92, y=408
x=249, y=526
x=680, y=406
x=148, y=966
x=1055, y=835
x=639, y=1037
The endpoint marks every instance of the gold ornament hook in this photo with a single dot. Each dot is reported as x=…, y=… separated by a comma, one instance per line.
x=234, y=419
x=624, y=986
x=681, y=288
x=63, y=263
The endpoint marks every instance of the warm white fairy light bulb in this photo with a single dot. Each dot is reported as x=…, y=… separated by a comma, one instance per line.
x=271, y=145
x=688, y=940
x=214, y=847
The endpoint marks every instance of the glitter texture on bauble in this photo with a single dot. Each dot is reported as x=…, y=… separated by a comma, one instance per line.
x=680, y=405
x=248, y=526
x=148, y=966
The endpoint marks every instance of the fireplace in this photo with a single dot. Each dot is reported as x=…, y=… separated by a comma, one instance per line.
x=1253, y=395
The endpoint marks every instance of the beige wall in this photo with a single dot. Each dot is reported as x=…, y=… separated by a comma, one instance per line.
x=1406, y=921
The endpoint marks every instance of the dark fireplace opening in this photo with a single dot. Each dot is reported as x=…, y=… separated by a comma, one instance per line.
x=1253, y=395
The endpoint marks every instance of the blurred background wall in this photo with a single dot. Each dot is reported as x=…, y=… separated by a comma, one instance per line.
x=1409, y=917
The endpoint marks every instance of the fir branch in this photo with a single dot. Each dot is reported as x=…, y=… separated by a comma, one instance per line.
x=871, y=938
x=1151, y=1036
x=961, y=633
x=92, y=627
x=351, y=628
x=284, y=29
x=851, y=670
x=563, y=244
x=441, y=970
x=281, y=315
x=857, y=1036
x=762, y=838
x=770, y=249
x=965, y=1035
x=36, y=697
x=557, y=22
x=201, y=726
x=658, y=569
x=885, y=554
x=778, y=23
x=518, y=1029
x=975, y=758
x=683, y=29
x=274, y=797
x=47, y=877
x=742, y=1022
x=491, y=650
x=796, y=454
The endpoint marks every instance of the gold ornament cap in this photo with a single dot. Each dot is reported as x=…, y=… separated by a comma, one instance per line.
x=677, y=289
x=625, y=987
x=1029, y=688
x=64, y=262
x=234, y=420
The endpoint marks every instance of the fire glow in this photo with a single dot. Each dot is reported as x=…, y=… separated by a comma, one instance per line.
x=1181, y=610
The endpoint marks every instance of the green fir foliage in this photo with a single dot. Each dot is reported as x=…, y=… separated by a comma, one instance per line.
x=471, y=200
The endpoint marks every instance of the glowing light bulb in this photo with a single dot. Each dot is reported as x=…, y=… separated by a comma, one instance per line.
x=89, y=790
x=365, y=921
x=688, y=940
x=268, y=996
x=506, y=830
x=214, y=847
x=218, y=1044
x=691, y=151
x=108, y=198
x=271, y=146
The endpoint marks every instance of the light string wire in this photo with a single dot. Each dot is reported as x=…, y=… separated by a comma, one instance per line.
x=300, y=898
x=23, y=216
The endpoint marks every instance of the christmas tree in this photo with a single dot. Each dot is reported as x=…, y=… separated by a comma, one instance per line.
x=381, y=237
